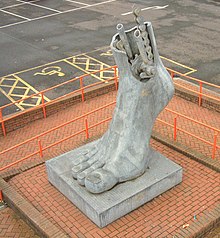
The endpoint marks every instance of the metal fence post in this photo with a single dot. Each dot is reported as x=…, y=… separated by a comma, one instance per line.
x=1, y=196
x=200, y=93
x=43, y=104
x=175, y=128
x=214, y=145
x=172, y=74
x=82, y=88
x=2, y=122
x=40, y=148
x=87, y=129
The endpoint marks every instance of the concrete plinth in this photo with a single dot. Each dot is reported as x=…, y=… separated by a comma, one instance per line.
x=105, y=208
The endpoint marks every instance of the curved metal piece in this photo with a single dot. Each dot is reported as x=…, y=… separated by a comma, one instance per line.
x=140, y=44
x=124, y=39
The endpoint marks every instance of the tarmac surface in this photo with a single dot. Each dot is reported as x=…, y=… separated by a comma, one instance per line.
x=35, y=34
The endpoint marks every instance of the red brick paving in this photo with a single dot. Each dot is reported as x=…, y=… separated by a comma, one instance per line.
x=194, y=87
x=13, y=226
x=162, y=217
x=177, y=104
x=215, y=233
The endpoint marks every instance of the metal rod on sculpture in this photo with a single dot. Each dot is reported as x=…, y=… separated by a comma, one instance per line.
x=124, y=39
x=139, y=19
x=141, y=47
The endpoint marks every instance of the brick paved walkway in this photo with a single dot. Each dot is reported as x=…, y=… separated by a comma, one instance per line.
x=215, y=233
x=208, y=90
x=162, y=217
x=13, y=226
x=177, y=104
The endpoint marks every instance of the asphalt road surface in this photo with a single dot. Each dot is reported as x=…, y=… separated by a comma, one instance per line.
x=36, y=32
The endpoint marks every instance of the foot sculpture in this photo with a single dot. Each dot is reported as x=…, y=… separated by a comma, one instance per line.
x=145, y=88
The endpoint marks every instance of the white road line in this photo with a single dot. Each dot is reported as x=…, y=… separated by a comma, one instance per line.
x=42, y=17
x=15, y=5
x=147, y=8
x=15, y=15
x=78, y=2
x=92, y=5
x=13, y=24
x=155, y=7
x=75, y=9
x=18, y=4
x=40, y=6
x=58, y=13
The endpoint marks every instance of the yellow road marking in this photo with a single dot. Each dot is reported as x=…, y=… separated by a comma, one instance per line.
x=97, y=61
x=51, y=70
x=76, y=66
x=30, y=87
x=102, y=64
x=84, y=63
x=54, y=62
x=12, y=94
x=8, y=86
x=190, y=72
x=109, y=53
x=10, y=98
x=29, y=104
x=181, y=65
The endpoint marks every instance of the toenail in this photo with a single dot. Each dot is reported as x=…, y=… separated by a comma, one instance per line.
x=95, y=178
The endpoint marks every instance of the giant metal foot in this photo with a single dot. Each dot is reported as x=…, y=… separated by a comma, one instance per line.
x=145, y=88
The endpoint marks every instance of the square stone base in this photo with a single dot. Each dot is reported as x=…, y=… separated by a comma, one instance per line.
x=105, y=208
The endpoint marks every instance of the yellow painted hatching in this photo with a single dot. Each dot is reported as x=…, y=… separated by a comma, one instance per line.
x=89, y=65
x=11, y=85
x=14, y=87
x=191, y=70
